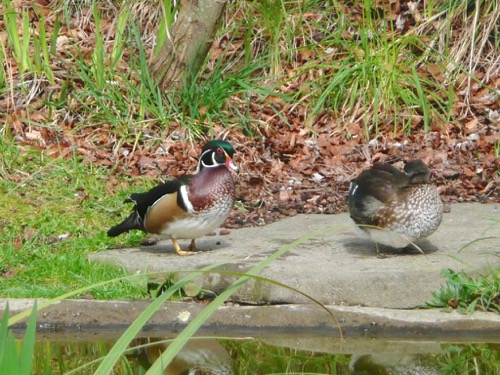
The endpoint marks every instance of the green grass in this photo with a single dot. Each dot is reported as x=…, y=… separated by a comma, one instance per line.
x=343, y=59
x=468, y=293
x=54, y=213
x=12, y=360
x=469, y=359
x=24, y=40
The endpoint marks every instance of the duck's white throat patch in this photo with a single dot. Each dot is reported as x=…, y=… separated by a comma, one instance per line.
x=184, y=196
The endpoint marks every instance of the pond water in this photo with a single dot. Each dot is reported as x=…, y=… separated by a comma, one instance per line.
x=276, y=355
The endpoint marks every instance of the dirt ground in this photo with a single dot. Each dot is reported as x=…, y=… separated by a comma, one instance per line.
x=292, y=170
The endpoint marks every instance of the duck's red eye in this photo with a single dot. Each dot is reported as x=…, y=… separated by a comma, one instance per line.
x=219, y=151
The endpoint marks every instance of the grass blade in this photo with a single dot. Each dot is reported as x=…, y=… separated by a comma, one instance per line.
x=25, y=61
x=45, y=51
x=477, y=240
x=10, y=364
x=28, y=348
x=18, y=317
x=3, y=332
x=98, y=68
x=423, y=101
x=121, y=345
x=118, y=46
x=10, y=20
x=198, y=321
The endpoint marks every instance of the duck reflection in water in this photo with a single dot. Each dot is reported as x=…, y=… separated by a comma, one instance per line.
x=197, y=357
x=393, y=364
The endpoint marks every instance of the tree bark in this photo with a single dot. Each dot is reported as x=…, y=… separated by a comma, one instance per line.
x=188, y=42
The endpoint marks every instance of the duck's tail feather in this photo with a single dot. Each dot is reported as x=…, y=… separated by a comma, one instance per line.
x=134, y=221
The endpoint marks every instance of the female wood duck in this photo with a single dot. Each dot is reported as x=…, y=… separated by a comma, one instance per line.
x=395, y=208
x=190, y=206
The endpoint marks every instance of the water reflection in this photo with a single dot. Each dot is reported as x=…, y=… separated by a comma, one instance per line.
x=300, y=355
x=392, y=364
x=197, y=357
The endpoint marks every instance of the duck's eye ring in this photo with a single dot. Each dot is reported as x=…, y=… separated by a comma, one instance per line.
x=219, y=151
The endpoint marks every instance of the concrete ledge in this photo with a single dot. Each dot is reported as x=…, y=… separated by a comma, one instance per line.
x=90, y=319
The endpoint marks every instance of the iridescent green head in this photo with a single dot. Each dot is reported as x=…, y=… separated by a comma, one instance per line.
x=216, y=153
x=216, y=143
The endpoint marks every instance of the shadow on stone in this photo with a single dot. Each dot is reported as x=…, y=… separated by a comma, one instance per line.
x=206, y=244
x=366, y=247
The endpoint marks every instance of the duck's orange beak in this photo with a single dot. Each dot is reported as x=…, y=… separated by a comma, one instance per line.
x=231, y=165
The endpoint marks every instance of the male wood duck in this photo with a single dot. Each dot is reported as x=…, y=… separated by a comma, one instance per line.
x=190, y=206
x=197, y=357
x=395, y=208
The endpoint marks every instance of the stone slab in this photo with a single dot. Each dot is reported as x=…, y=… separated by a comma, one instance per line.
x=338, y=267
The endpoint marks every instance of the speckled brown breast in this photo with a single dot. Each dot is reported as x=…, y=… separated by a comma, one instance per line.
x=416, y=213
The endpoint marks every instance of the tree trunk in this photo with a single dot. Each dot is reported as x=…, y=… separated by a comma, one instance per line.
x=187, y=43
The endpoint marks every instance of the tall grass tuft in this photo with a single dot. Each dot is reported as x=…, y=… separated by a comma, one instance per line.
x=13, y=361
x=3, y=71
x=347, y=60
x=10, y=16
x=27, y=43
x=370, y=76
x=467, y=293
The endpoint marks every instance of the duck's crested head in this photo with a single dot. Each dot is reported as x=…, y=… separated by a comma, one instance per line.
x=216, y=153
x=417, y=172
x=214, y=144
